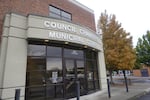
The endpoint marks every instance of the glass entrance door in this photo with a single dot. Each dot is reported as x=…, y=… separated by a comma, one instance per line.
x=70, y=78
x=52, y=72
x=75, y=71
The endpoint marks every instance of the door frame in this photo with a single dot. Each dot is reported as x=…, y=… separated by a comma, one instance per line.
x=75, y=72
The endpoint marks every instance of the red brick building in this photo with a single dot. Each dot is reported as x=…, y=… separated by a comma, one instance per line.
x=40, y=7
x=143, y=72
x=46, y=48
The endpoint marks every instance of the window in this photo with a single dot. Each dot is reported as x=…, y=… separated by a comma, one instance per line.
x=58, y=13
x=53, y=69
x=92, y=70
x=69, y=53
x=44, y=72
x=36, y=50
x=54, y=63
x=54, y=51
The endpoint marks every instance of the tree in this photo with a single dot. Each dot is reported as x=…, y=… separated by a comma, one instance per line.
x=143, y=49
x=117, y=44
x=137, y=64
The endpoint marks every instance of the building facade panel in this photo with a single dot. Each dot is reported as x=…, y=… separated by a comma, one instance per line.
x=45, y=57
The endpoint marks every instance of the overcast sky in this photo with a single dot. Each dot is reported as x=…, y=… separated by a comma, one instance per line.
x=134, y=15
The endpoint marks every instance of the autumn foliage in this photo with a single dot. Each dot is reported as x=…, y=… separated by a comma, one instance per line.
x=117, y=43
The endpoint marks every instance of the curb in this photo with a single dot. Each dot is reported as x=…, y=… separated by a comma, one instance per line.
x=140, y=94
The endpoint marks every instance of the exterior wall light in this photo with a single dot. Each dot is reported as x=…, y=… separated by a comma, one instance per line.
x=66, y=42
x=85, y=46
x=46, y=40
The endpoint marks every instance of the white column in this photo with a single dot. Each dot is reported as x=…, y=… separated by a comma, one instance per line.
x=2, y=61
x=15, y=67
x=102, y=70
x=13, y=58
x=3, y=49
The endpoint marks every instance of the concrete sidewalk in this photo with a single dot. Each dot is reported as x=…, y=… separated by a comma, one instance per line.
x=118, y=92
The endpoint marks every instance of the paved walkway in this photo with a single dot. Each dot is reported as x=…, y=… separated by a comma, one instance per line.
x=145, y=97
x=118, y=92
x=137, y=88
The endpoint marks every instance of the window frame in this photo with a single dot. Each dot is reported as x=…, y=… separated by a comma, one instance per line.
x=60, y=15
x=88, y=56
x=91, y=57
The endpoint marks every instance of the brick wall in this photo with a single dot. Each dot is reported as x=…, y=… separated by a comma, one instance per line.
x=40, y=7
x=137, y=73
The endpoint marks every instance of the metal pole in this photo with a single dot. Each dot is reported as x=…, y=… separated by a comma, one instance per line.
x=126, y=84
x=78, y=90
x=108, y=86
x=17, y=94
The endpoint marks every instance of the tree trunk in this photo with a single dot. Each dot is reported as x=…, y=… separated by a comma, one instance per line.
x=125, y=79
x=111, y=78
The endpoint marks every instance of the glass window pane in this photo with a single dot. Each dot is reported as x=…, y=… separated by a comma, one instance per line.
x=94, y=55
x=66, y=19
x=90, y=75
x=59, y=91
x=36, y=63
x=54, y=70
x=90, y=85
x=54, y=51
x=36, y=50
x=69, y=53
x=89, y=54
x=65, y=14
x=36, y=78
x=54, y=10
x=54, y=76
x=70, y=69
x=97, y=84
x=50, y=91
x=80, y=64
x=82, y=86
x=54, y=15
x=54, y=91
x=35, y=93
x=54, y=64
x=90, y=65
x=80, y=69
x=70, y=89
